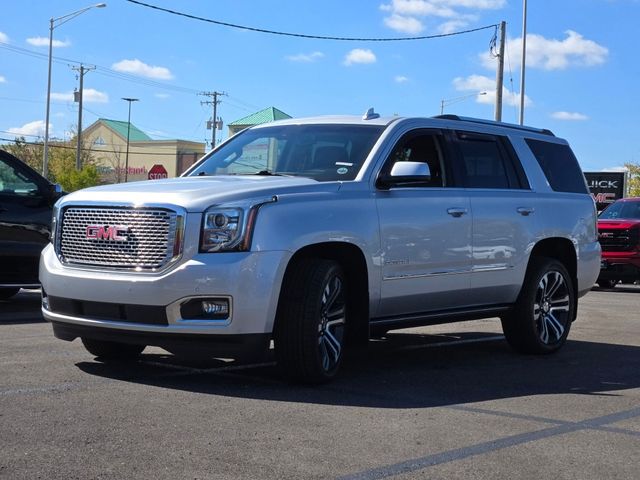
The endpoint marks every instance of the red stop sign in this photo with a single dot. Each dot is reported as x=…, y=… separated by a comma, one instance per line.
x=158, y=171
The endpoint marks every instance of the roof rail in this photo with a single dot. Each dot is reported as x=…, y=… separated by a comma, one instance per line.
x=543, y=131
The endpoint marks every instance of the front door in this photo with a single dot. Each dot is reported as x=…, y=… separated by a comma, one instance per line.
x=425, y=232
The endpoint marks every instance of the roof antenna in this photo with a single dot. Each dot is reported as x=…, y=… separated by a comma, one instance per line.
x=370, y=115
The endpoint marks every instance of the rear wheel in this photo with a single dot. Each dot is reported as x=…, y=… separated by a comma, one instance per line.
x=541, y=319
x=8, y=292
x=607, y=283
x=310, y=329
x=112, y=350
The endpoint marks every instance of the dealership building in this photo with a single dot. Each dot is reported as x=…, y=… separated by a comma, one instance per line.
x=149, y=158
x=107, y=140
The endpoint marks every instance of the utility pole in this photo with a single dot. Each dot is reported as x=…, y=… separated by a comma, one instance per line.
x=500, y=73
x=213, y=123
x=78, y=98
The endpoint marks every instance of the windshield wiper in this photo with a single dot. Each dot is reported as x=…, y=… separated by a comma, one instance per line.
x=269, y=173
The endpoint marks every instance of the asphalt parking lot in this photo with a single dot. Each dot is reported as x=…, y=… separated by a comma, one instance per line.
x=451, y=402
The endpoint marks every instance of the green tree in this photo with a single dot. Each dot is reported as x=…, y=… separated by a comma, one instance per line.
x=62, y=162
x=62, y=170
x=634, y=178
x=29, y=152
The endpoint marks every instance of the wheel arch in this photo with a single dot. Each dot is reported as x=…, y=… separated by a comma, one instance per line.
x=562, y=250
x=352, y=260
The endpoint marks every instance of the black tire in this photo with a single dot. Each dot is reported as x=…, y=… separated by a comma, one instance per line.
x=105, y=350
x=8, y=292
x=608, y=284
x=541, y=318
x=310, y=328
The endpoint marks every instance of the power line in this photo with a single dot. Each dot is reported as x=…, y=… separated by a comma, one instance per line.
x=304, y=35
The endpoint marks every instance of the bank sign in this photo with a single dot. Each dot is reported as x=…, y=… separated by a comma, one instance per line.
x=606, y=187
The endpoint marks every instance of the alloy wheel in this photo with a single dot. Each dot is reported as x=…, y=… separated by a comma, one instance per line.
x=551, y=307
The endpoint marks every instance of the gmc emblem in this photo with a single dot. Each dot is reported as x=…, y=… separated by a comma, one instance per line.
x=107, y=232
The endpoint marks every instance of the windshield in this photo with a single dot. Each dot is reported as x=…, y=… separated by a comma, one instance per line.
x=626, y=210
x=322, y=152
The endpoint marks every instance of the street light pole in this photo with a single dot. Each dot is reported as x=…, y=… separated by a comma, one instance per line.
x=524, y=57
x=52, y=25
x=126, y=161
x=451, y=101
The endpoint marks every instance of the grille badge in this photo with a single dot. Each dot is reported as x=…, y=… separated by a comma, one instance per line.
x=107, y=232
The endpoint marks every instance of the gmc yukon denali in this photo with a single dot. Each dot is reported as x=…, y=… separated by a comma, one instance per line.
x=311, y=235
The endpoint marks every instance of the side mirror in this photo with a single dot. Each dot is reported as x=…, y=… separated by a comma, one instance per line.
x=55, y=190
x=406, y=173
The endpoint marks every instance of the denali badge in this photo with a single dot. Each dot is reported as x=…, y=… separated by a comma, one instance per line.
x=605, y=235
x=107, y=232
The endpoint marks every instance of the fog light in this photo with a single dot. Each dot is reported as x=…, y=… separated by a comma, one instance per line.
x=215, y=307
x=212, y=308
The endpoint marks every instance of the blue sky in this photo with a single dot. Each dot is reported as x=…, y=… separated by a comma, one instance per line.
x=581, y=79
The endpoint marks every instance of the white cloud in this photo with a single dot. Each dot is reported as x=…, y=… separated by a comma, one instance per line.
x=44, y=42
x=4, y=38
x=575, y=116
x=161, y=95
x=404, y=15
x=400, y=79
x=30, y=129
x=552, y=54
x=89, y=95
x=136, y=67
x=3, y=79
x=400, y=23
x=480, y=83
x=305, y=57
x=454, y=25
x=359, y=55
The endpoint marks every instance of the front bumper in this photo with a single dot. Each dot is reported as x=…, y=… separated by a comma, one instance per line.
x=250, y=280
x=624, y=266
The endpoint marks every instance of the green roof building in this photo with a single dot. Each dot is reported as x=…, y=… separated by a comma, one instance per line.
x=270, y=114
x=107, y=140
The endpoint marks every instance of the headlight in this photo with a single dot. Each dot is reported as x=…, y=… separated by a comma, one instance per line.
x=222, y=229
x=229, y=228
x=54, y=223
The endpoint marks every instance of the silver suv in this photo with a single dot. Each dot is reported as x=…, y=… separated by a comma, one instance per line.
x=319, y=233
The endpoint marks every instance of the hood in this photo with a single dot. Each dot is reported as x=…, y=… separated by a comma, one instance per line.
x=196, y=194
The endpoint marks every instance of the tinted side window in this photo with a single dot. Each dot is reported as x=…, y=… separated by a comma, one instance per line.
x=486, y=162
x=425, y=148
x=15, y=182
x=559, y=166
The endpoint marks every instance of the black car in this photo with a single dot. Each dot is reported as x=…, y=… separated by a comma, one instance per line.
x=26, y=203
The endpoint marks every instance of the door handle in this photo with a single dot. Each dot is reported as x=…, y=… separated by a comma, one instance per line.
x=526, y=211
x=456, y=212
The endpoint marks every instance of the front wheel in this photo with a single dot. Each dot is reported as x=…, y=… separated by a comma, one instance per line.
x=310, y=328
x=105, y=350
x=541, y=318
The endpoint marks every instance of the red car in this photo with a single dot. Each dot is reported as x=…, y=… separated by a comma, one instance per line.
x=619, y=235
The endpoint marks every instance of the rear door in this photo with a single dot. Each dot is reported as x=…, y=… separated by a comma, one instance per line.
x=504, y=216
x=425, y=231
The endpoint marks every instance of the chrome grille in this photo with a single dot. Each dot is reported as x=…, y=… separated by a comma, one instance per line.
x=145, y=239
x=619, y=240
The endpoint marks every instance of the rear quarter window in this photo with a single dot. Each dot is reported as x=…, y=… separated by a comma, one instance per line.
x=559, y=165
